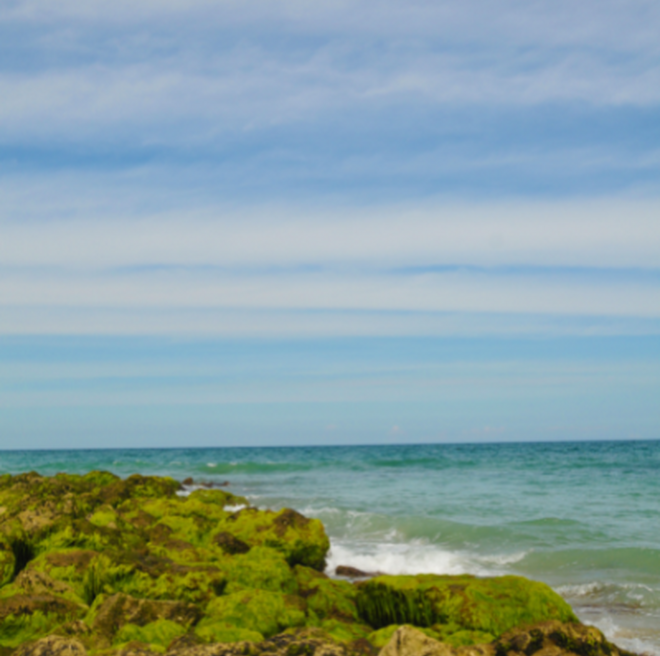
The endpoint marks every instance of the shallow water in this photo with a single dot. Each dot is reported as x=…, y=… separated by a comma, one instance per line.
x=583, y=517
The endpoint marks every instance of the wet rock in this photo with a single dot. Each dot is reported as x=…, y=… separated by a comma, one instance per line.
x=188, y=481
x=353, y=572
x=548, y=638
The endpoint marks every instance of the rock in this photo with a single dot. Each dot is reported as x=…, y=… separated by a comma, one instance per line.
x=553, y=637
x=303, y=541
x=131, y=568
x=37, y=583
x=230, y=544
x=261, y=568
x=188, y=481
x=52, y=646
x=409, y=641
x=262, y=612
x=489, y=606
x=353, y=572
x=120, y=609
x=305, y=642
x=24, y=605
x=328, y=598
x=7, y=563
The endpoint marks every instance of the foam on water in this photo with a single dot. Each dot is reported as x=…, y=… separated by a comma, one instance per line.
x=398, y=558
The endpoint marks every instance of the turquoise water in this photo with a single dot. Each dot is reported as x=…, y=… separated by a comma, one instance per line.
x=583, y=517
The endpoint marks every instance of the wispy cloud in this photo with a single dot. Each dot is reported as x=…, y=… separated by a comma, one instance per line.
x=426, y=159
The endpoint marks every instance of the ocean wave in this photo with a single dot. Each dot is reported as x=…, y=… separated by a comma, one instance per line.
x=404, y=558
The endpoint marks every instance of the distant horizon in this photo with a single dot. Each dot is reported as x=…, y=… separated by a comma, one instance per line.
x=333, y=446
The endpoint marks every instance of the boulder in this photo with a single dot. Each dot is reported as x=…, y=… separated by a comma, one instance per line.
x=52, y=646
x=455, y=604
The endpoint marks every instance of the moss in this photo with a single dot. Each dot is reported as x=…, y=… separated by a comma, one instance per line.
x=219, y=631
x=18, y=629
x=159, y=633
x=23, y=551
x=105, y=516
x=103, y=576
x=144, y=566
x=466, y=637
x=7, y=563
x=32, y=582
x=98, y=479
x=489, y=605
x=109, y=614
x=193, y=585
x=382, y=636
x=24, y=617
x=302, y=541
x=220, y=498
x=345, y=632
x=261, y=568
x=262, y=611
x=328, y=598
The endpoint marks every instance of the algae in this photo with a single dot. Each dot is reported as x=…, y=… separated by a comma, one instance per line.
x=487, y=605
x=131, y=564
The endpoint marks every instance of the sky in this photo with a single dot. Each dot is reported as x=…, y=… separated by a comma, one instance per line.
x=282, y=222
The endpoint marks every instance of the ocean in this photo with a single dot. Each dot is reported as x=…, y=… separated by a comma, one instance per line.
x=583, y=517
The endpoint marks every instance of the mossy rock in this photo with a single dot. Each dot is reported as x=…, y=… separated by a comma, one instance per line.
x=328, y=598
x=7, y=563
x=382, y=636
x=466, y=603
x=212, y=630
x=261, y=568
x=301, y=540
x=129, y=565
x=158, y=634
x=34, y=583
x=109, y=614
x=345, y=632
x=24, y=618
x=262, y=611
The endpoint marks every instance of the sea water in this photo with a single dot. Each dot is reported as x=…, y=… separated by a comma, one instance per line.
x=583, y=517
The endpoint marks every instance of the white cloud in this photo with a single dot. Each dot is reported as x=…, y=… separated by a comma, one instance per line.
x=213, y=68
x=607, y=233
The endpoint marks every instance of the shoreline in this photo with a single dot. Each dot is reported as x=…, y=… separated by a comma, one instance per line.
x=113, y=565
x=407, y=509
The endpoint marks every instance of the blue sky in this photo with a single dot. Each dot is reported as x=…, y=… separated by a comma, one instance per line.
x=231, y=223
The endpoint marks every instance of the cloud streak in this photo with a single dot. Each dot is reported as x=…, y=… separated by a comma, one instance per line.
x=363, y=159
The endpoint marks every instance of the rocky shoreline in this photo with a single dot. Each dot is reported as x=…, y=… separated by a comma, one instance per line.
x=96, y=564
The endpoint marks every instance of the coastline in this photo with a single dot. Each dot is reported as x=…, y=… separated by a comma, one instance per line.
x=96, y=564
x=575, y=516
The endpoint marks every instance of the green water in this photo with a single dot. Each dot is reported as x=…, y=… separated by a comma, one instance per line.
x=584, y=517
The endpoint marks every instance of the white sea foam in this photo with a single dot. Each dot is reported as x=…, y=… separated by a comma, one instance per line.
x=580, y=590
x=504, y=559
x=626, y=638
x=235, y=508
x=401, y=558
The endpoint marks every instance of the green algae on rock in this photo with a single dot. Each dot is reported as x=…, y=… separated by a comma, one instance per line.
x=99, y=565
x=460, y=603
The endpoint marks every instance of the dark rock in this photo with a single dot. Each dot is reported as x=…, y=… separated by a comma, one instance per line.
x=188, y=481
x=230, y=544
x=353, y=572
